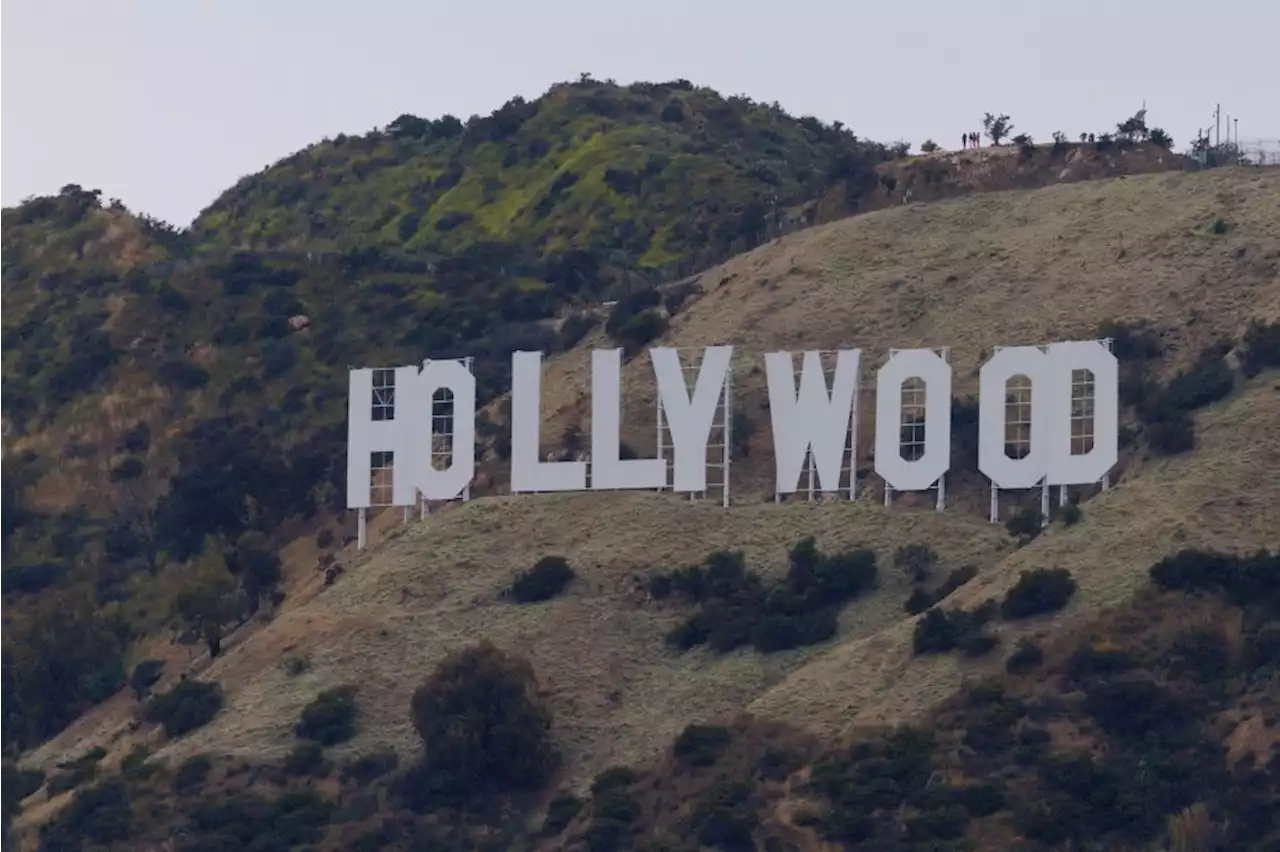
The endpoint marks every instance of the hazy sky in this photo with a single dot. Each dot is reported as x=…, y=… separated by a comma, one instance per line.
x=165, y=103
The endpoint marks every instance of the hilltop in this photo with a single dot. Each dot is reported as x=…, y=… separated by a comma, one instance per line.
x=1169, y=264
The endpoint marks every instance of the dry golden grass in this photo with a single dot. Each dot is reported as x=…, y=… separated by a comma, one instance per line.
x=1005, y=268
x=616, y=691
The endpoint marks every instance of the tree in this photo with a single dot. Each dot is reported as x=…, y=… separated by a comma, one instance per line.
x=928, y=146
x=256, y=566
x=1159, y=137
x=997, y=127
x=482, y=722
x=209, y=602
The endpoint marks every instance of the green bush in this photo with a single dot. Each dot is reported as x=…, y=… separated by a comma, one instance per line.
x=549, y=576
x=192, y=773
x=366, y=768
x=701, y=745
x=939, y=631
x=187, y=706
x=560, y=812
x=330, y=718
x=483, y=723
x=736, y=607
x=145, y=675
x=1026, y=524
x=1025, y=657
x=306, y=758
x=1036, y=592
x=1260, y=348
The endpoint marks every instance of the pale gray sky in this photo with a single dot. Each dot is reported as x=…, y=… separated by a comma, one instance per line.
x=165, y=103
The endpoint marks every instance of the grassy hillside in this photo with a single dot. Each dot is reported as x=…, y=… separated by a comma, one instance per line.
x=636, y=666
x=662, y=177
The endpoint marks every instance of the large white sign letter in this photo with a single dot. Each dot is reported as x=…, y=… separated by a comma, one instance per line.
x=445, y=484
x=528, y=472
x=1069, y=411
x=1029, y=363
x=815, y=418
x=918, y=474
x=607, y=469
x=380, y=411
x=690, y=418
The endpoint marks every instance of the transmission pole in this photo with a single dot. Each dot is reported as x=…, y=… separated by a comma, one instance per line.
x=1217, y=125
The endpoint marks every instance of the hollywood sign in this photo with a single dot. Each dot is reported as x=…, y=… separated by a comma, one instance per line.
x=814, y=424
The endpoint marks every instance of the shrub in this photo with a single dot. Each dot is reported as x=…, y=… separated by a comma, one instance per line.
x=939, y=631
x=330, y=718
x=1039, y=591
x=560, y=812
x=192, y=773
x=615, y=777
x=370, y=766
x=187, y=706
x=1260, y=348
x=145, y=675
x=724, y=818
x=546, y=579
x=482, y=722
x=1026, y=524
x=1025, y=657
x=736, y=607
x=1172, y=435
x=701, y=745
x=1071, y=514
x=642, y=329
x=957, y=578
x=917, y=560
x=918, y=602
x=306, y=759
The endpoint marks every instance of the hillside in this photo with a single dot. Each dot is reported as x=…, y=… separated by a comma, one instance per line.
x=1171, y=264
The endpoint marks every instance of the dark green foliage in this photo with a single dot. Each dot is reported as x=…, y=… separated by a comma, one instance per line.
x=99, y=814
x=146, y=674
x=917, y=602
x=1037, y=592
x=187, y=706
x=701, y=745
x=613, y=778
x=921, y=599
x=249, y=821
x=735, y=607
x=560, y=812
x=1243, y=580
x=939, y=631
x=330, y=718
x=1025, y=657
x=870, y=778
x=484, y=727
x=725, y=818
x=917, y=560
x=1166, y=413
x=1071, y=514
x=17, y=785
x=549, y=576
x=366, y=768
x=306, y=758
x=1260, y=348
x=1026, y=524
x=192, y=773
